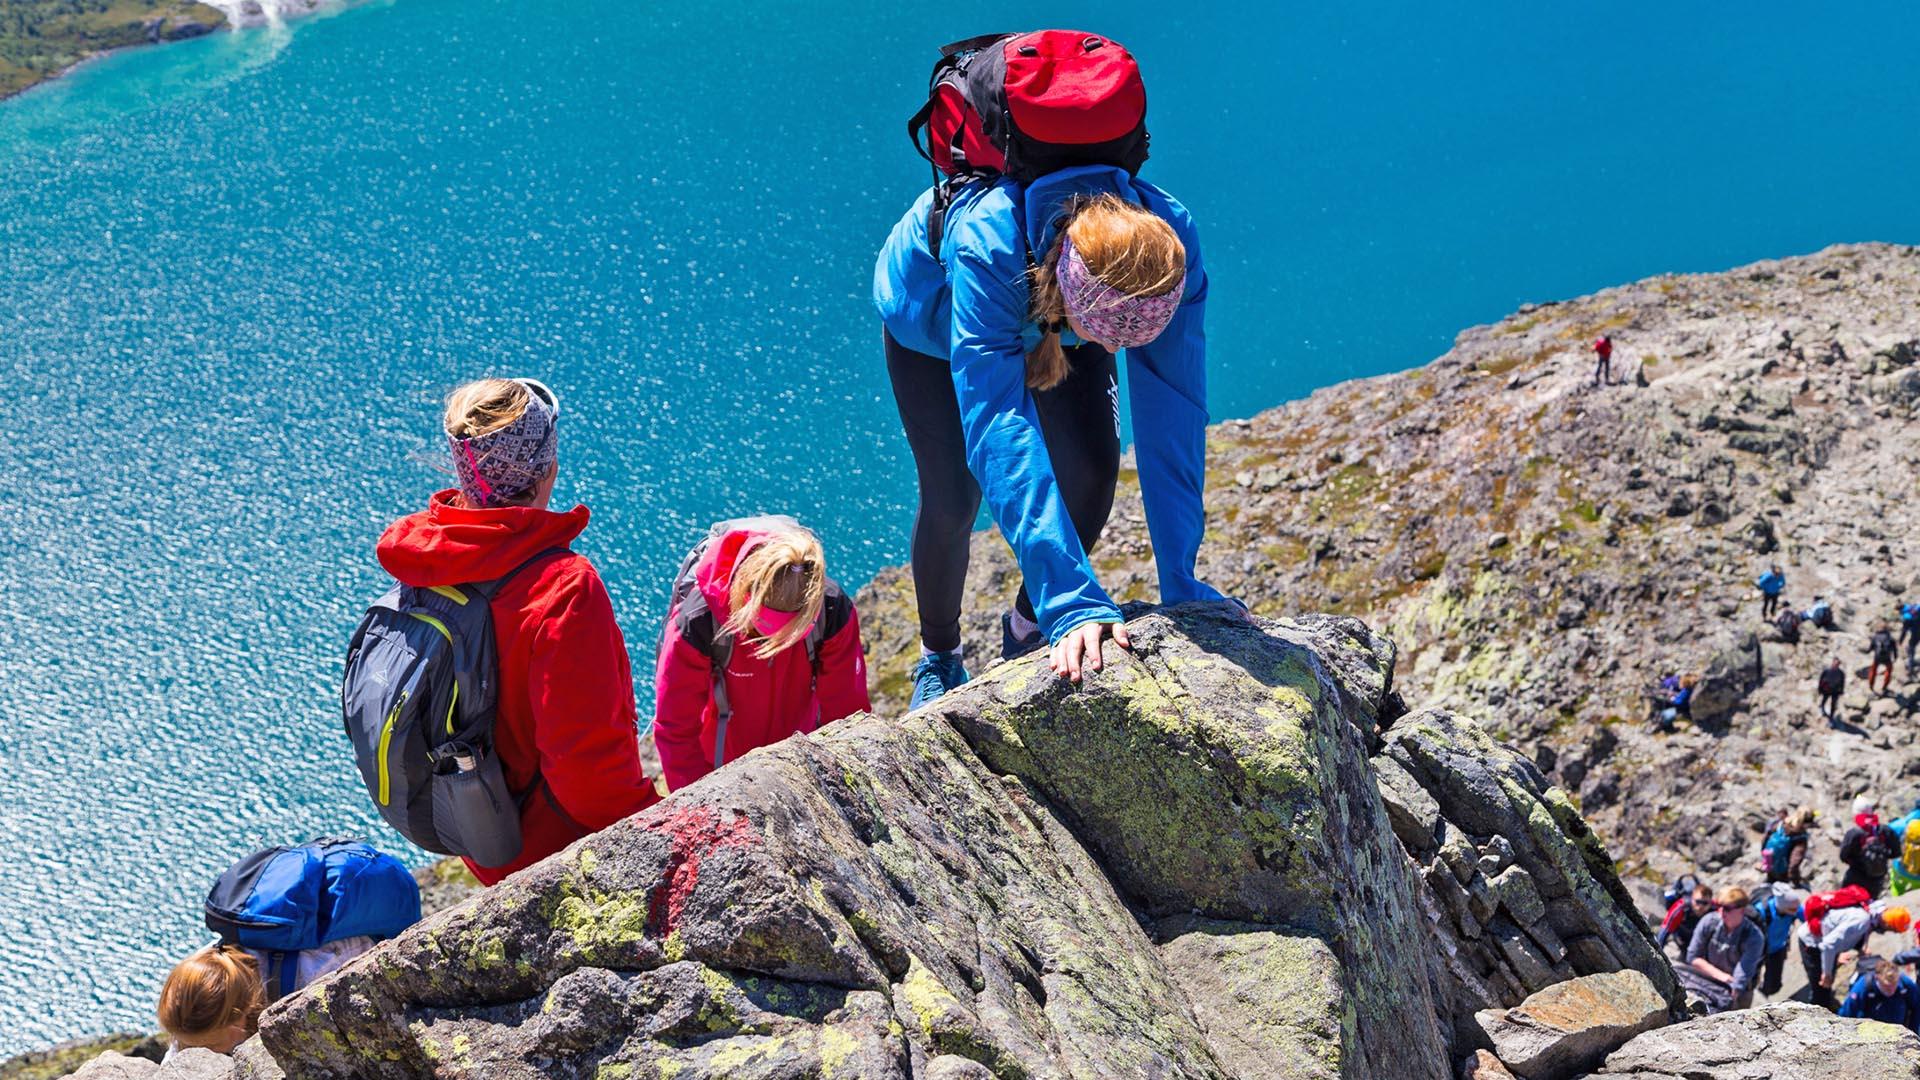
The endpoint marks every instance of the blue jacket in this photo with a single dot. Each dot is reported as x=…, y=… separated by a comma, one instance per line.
x=1771, y=584
x=1866, y=1001
x=1779, y=927
x=971, y=306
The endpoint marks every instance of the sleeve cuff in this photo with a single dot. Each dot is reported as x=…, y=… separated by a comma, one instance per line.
x=1095, y=615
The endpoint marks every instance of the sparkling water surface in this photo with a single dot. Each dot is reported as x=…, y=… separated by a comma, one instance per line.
x=237, y=274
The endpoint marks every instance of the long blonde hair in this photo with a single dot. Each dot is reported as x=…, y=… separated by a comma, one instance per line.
x=212, y=990
x=787, y=571
x=1128, y=247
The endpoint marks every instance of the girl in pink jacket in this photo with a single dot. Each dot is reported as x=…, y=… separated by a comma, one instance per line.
x=759, y=644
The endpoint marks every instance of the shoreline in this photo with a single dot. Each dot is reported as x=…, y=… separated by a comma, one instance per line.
x=171, y=28
x=150, y=22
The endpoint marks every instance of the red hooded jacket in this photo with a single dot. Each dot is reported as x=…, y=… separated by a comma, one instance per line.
x=566, y=709
x=771, y=699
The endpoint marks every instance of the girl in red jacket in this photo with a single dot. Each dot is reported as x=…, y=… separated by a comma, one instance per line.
x=760, y=643
x=565, y=726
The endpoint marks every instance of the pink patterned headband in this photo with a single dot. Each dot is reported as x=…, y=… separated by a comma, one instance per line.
x=1107, y=314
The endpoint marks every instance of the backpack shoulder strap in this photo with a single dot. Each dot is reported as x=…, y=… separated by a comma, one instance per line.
x=835, y=612
x=489, y=589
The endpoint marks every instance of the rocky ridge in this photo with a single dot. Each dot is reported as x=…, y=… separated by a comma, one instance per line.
x=1232, y=853
x=1544, y=549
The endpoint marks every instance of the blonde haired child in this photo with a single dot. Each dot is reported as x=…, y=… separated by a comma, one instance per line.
x=759, y=644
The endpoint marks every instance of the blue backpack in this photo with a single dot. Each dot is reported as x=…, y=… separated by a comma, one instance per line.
x=1779, y=848
x=283, y=900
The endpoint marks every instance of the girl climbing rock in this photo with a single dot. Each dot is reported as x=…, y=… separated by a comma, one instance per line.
x=1001, y=353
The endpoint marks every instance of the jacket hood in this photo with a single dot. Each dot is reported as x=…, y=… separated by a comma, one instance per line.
x=1047, y=196
x=714, y=574
x=450, y=544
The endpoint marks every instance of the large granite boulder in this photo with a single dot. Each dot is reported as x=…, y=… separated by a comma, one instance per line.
x=1182, y=868
x=1779, y=1042
x=1569, y=1027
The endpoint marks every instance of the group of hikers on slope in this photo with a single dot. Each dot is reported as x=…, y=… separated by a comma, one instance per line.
x=1883, y=648
x=1734, y=941
x=1672, y=698
x=1004, y=294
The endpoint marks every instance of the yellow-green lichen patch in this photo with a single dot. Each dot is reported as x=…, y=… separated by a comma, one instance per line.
x=836, y=1049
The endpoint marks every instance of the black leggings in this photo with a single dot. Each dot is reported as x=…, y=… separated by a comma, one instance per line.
x=1080, y=421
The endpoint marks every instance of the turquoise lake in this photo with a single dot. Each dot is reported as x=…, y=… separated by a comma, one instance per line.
x=237, y=275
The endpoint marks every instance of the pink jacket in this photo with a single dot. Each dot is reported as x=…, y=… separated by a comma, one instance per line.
x=771, y=699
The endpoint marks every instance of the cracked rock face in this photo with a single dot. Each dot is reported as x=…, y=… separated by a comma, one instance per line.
x=1184, y=868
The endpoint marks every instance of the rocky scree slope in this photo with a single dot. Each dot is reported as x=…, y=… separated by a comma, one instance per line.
x=1231, y=853
x=1544, y=549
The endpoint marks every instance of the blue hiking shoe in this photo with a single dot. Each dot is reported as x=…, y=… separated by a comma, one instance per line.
x=935, y=674
x=1013, y=648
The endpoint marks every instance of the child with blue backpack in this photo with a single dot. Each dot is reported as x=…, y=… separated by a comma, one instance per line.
x=285, y=916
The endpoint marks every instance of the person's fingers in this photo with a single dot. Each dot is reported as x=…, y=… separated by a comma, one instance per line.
x=1094, y=658
x=1120, y=637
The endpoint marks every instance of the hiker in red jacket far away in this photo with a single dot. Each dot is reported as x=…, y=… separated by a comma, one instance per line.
x=1603, y=360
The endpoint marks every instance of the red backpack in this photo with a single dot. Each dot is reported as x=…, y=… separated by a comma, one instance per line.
x=1819, y=904
x=1024, y=105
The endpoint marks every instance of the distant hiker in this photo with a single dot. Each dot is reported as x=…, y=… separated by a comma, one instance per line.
x=564, y=728
x=1883, y=649
x=1727, y=947
x=1678, y=703
x=1771, y=584
x=1903, y=876
x=1910, y=629
x=1884, y=994
x=1005, y=292
x=1868, y=850
x=759, y=644
x=1787, y=625
x=1814, y=911
x=1602, y=360
x=1775, y=912
x=1845, y=930
x=1820, y=614
x=1833, y=683
x=1784, y=851
x=1683, y=917
x=212, y=1000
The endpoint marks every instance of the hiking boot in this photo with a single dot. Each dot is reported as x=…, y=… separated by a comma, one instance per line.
x=1013, y=648
x=935, y=674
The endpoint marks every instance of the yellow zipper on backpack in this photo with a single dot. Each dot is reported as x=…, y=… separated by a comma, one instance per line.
x=386, y=740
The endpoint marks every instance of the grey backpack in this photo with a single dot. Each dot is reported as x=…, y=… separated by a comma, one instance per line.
x=418, y=703
x=690, y=614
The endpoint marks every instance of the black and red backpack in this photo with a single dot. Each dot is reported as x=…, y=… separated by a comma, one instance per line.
x=1024, y=105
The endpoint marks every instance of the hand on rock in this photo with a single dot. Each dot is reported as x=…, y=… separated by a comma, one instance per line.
x=1083, y=643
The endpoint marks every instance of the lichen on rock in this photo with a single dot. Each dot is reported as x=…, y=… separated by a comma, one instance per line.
x=1184, y=867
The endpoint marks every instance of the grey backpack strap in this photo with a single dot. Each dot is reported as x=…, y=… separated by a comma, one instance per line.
x=720, y=654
